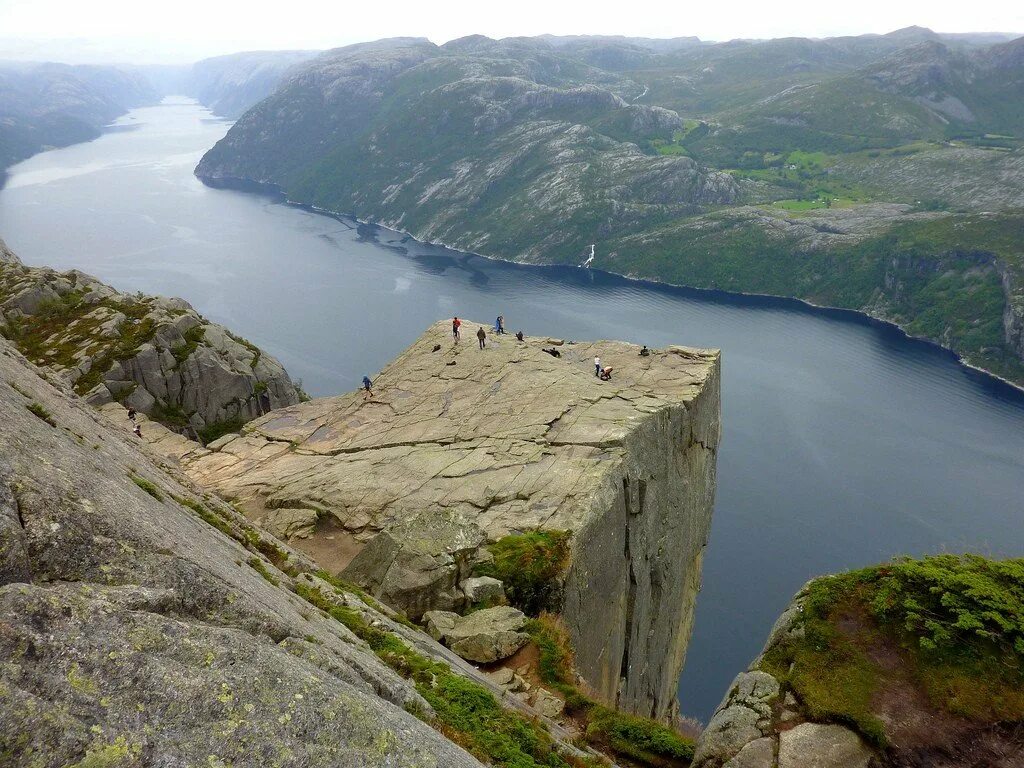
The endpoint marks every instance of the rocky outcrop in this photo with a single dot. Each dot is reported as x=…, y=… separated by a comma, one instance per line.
x=502, y=440
x=154, y=354
x=122, y=606
x=757, y=726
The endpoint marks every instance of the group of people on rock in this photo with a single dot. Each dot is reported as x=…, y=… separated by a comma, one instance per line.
x=603, y=372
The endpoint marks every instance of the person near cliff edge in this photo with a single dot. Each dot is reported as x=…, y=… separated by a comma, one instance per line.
x=606, y=374
x=367, y=387
x=455, y=328
x=481, y=336
x=519, y=335
x=499, y=325
x=645, y=352
x=597, y=366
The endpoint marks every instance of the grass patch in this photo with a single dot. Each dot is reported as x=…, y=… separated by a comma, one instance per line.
x=38, y=410
x=193, y=338
x=148, y=487
x=467, y=713
x=531, y=566
x=257, y=565
x=957, y=623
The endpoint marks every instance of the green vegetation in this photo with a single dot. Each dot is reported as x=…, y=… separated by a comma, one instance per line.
x=955, y=624
x=148, y=487
x=256, y=352
x=218, y=429
x=257, y=565
x=38, y=410
x=467, y=713
x=531, y=566
x=193, y=338
x=635, y=738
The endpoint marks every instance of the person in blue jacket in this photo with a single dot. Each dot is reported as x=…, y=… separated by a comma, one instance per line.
x=367, y=387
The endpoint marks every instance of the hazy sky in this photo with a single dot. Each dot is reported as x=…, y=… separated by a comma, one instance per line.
x=185, y=30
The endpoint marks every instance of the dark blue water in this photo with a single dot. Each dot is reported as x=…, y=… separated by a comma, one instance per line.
x=844, y=443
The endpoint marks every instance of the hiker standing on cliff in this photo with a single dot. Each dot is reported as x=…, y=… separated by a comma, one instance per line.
x=597, y=366
x=499, y=325
x=481, y=336
x=367, y=387
x=455, y=328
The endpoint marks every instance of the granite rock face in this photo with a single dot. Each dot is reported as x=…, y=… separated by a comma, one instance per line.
x=155, y=354
x=122, y=607
x=511, y=439
x=483, y=636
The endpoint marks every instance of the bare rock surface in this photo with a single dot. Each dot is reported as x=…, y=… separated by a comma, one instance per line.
x=511, y=439
x=152, y=353
x=488, y=635
x=122, y=606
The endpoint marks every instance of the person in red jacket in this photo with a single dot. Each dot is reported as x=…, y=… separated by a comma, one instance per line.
x=455, y=327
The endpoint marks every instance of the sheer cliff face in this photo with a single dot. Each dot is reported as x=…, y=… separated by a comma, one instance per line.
x=468, y=444
x=229, y=85
x=631, y=593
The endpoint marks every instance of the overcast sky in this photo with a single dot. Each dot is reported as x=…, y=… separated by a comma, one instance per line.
x=146, y=31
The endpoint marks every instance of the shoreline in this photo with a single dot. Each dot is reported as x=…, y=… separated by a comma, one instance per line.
x=255, y=187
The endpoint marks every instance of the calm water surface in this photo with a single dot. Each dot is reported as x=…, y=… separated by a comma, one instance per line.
x=844, y=442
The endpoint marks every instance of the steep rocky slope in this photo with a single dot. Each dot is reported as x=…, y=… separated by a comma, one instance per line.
x=459, y=446
x=53, y=105
x=913, y=663
x=154, y=354
x=229, y=85
x=133, y=632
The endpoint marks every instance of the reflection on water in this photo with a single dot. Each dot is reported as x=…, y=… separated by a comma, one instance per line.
x=844, y=442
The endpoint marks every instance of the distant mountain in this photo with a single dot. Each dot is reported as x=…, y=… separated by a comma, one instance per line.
x=505, y=146
x=53, y=105
x=229, y=85
x=883, y=173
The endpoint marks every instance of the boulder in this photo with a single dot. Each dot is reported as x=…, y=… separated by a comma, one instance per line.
x=416, y=565
x=483, y=589
x=440, y=623
x=548, y=704
x=744, y=716
x=814, y=745
x=488, y=635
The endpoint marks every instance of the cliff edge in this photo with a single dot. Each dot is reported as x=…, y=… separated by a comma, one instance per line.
x=910, y=663
x=459, y=447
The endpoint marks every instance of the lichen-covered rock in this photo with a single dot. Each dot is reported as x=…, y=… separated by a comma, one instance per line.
x=512, y=439
x=816, y=745
x=440, y=623
x=759, y=753
x=154, y=354
x=139, y=625
x=488, y=635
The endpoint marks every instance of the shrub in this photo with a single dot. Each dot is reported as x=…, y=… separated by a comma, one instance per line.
x=531, y=566
x=257, y=565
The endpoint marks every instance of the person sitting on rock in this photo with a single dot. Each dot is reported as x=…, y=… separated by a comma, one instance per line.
x=553, y=352
x=131, y=414
x=519, y=335
x=138, y=430
x=645, y=352
x=606, y=373
x=481, y=336
x=367, y=387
